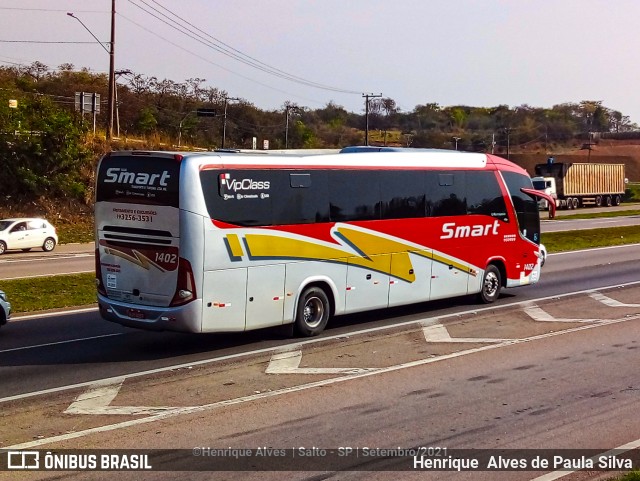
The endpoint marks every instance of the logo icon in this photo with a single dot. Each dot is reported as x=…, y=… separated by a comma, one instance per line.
x=23, y=460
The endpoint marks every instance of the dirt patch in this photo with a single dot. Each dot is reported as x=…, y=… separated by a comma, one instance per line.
x=625, y=152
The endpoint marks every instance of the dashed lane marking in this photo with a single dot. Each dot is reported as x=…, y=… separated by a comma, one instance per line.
x=288, y=362
x=537, y=314
x=97, y=400
x=439, y=333
x=607, y=301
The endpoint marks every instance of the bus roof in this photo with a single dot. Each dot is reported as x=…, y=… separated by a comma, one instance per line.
x=347, y=158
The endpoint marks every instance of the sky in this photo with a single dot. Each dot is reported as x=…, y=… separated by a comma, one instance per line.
x=479, y=53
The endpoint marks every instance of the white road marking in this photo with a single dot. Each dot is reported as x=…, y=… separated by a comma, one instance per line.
x=46, y=275
x=608, y=301
x=51, y=314
x=439, y=333
x=41, y=258
x=593, y=249
x=537, y=314
x=60, y=342
x=288, y=362
x=97, y=400
x=612, y=452
x=301, y=387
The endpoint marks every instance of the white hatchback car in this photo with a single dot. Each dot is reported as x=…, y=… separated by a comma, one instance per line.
x=27, y=233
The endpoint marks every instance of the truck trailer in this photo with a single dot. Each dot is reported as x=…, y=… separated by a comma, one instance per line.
x=575, y=185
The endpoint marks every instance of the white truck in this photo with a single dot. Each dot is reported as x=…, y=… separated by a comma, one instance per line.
x=575, y=185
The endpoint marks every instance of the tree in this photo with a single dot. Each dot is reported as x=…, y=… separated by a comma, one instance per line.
x=42, y=150
x=147, y=121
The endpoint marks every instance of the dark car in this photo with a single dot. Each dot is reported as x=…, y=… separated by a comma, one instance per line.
x=5, y=308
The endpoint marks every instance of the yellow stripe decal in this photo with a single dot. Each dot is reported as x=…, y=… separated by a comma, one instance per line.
x=234, y=245
x=372, y=251
x=272, y=246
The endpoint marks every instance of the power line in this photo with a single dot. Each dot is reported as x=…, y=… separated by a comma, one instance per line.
x=213, y=63
x=227, y=50
x=50, y=10
x=42, y=41
x=235, y=53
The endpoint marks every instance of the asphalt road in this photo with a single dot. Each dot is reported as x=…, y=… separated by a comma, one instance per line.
x=77, y=258
x=539, y=369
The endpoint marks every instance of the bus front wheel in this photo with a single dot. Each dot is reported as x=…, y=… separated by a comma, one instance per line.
x=491, y=285
x=313, y=312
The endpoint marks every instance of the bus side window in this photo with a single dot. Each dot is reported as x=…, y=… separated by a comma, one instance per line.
x=484, y=196
x=446, y=192
x=300, y=198
x=354, y=195
x=402, y=195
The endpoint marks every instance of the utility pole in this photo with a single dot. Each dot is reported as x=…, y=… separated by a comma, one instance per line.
x=508, y=131
x=112, y=76
x=287, y=108
x=224, y=120
x=118, y=73
x=366, y=115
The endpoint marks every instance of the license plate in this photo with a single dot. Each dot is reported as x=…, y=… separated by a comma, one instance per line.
x=135, y=313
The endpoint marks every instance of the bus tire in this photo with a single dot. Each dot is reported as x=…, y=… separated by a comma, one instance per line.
x=313, y=312
x=491, y=285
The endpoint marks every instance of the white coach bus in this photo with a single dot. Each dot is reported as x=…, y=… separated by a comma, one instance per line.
x=234, y=241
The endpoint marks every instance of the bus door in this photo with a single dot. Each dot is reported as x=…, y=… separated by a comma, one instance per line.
x=224, y=299
x=265, y=296
x=448, y=279
x=528, y=221
x=448, y=195
x=368, y=288
x=412, y=280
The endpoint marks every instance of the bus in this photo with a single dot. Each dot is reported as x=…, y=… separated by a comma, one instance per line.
x=227, y=241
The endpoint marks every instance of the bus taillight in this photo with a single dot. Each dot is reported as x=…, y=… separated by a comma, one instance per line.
x=186, y=286
x=99, y=282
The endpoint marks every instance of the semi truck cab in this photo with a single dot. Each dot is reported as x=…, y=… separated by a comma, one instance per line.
x=548, y=186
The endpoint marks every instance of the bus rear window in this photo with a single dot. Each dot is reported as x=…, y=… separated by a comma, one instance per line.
x=139, y=180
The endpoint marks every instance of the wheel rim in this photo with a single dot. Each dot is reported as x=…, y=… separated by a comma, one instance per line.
x=313, y=312
x=2, y=247
x=491, y=284
x=48, y=245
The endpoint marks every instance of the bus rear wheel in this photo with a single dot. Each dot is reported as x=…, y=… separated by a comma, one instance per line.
x=313, y=312
x=491, y=285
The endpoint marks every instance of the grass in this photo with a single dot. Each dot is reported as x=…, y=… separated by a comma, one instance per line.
x=590, y=238
x=56, y=292
x=75, y=231
x=594, y=215
x=41, y=293
x=631, y=476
